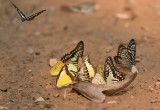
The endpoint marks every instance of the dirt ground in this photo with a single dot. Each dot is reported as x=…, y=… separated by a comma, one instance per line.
x=26, y=47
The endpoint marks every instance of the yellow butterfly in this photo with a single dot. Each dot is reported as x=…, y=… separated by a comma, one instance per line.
x=56, y=68
x=64, y=78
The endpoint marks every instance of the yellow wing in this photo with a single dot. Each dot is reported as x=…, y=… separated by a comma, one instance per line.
x=64, y=78
x=56, y=68
x=89, y=66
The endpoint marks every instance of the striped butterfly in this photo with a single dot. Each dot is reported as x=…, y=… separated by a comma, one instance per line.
x=86, y=69
x=23, y=17
x=110, y=70
x=74, y=55
x=83, y=74
x=126, y=56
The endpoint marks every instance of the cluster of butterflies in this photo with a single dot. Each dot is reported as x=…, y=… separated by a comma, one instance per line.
x=74, y=67
x=23, y=17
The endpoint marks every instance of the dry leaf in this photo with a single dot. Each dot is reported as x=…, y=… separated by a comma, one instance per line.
x=98, y=92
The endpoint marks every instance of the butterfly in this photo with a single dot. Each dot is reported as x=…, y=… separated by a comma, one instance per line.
x=99, y=77
x=89, y=66
x=111, y=72
x=74, y=55
x=100, y=70
x=126, y=56
x=23, y=17
x=64, y=78
x=86, y=69
x=56, y=68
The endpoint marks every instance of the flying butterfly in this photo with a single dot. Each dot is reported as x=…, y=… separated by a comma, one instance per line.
x=74, y=55
x=23, y=17
x=64, y=78
x=126, y=56
x=111, y=72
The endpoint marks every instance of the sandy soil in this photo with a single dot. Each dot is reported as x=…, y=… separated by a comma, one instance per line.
x=24, y=77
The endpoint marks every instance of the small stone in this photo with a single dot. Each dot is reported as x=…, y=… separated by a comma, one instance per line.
x=52, y=61
x=56, y=95
x=3, y=108
x=40, y=99
x=157, y=85
x=146, y=81
x=159, y=80
x=112, y=102
x=132, y=97
x=29, y=71
x=150, y=89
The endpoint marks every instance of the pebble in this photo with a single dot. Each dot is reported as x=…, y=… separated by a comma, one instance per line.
x=112, y=102
x=40, y=99
x=146, y=81
x=3, y=108
x=56, y=95
x=159, y=80
x=52, y=61
x=29, y=71
x=157, y=85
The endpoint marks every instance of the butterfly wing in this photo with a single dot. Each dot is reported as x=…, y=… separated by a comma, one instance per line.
x=34, y=15
x=132, y=50
x=98, y=79
x=56, y=68
x=89, y=66
x=64, y=78
x=83, y=74
x=74, y=55
x=23, y=17
x=109, y=69
x=123, y=57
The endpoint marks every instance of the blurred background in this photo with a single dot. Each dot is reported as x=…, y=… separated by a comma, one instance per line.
x=26, y=47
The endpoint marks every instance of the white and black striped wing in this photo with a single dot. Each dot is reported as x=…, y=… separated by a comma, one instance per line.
x=132, y=50
x=83, y=74
x=123, y=57
x=109, y=68
x=34, y=15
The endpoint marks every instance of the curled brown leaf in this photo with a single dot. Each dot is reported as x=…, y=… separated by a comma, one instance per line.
x=98, y=92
